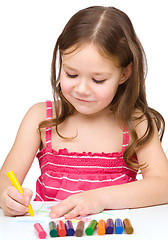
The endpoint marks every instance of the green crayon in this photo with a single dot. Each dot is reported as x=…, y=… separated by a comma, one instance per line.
x=53, y=229
x=91, y=227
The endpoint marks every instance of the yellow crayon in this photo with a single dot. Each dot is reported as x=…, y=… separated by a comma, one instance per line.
x=17, y=185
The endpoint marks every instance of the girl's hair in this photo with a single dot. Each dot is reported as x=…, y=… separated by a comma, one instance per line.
x=112, y=32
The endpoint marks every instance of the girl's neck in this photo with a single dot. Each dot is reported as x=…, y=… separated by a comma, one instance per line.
x=105, y=114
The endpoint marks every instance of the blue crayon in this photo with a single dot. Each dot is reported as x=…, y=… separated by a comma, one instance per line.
x=118, y=226
x=69, y=228
x=109, y=226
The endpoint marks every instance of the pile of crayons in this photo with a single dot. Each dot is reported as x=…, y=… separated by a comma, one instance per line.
x=62, y=229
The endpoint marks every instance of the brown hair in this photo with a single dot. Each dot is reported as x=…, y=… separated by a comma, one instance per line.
x=112, y=32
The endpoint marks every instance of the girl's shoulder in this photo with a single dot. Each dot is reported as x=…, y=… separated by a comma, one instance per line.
x=38, y=110
x=144, y=123
x=139, y=120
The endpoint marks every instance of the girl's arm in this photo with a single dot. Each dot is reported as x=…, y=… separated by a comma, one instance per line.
x=19, y=161
x=151, y=190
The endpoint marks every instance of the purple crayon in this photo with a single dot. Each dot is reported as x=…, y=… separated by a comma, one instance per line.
x=69, y=228
x=109, y=226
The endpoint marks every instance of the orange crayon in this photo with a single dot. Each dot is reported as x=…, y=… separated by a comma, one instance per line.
x=101, y=228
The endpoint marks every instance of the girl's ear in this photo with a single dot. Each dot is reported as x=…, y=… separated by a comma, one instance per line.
x=126, y=73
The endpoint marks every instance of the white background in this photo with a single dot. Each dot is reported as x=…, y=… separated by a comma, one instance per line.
x=28, y=32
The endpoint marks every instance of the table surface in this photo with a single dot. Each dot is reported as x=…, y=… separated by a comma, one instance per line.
x=149, y=223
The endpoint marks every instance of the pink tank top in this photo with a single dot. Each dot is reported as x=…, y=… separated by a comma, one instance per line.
x=64, y=173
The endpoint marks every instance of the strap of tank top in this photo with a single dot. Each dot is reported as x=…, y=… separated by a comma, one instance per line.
x=125, y=138
x=48, y=129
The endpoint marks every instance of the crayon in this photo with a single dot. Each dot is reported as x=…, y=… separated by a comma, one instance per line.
x=40, y=231
x=69, y=228
x=128, y=227
x=91, y=227
x=101, y=230
x=109, y=226
x=17, y=185
x=61, y=229
x=79, y=229
x=53, y=229
x=118, y=226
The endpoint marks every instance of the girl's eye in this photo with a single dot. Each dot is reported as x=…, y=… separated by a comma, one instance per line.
x=98, y=81
x=71, y=76
x=94, y=80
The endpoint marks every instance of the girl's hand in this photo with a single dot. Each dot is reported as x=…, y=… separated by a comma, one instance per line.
x=13, y=203
x=88, y=202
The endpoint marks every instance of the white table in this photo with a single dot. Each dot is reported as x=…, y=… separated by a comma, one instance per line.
x=149, y=224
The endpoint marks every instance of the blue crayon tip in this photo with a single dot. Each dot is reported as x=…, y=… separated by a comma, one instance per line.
x=118, y=226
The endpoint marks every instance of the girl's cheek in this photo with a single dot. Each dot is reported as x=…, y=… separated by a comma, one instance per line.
x=64, y=86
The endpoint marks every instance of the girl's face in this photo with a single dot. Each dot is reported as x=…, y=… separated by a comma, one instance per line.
x=88, y=80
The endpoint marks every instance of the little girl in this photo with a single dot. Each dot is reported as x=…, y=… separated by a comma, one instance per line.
x=99, y=130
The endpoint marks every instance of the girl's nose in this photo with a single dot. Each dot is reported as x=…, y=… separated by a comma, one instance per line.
x=82, y=87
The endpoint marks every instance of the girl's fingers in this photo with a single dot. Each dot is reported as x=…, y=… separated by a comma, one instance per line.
x=75, y=212
x=14, y=194
x=28, y=193
x=14, y=208
x=78, y=205
x=14, y=212
x=61, y=208
x=14, y=203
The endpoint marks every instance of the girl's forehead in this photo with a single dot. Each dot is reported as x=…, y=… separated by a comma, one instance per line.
x=76, y=48
x=88, y=59
x=88, y=50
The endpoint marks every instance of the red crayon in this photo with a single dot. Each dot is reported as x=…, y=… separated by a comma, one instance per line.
x=40, y=231
x=61, y=229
